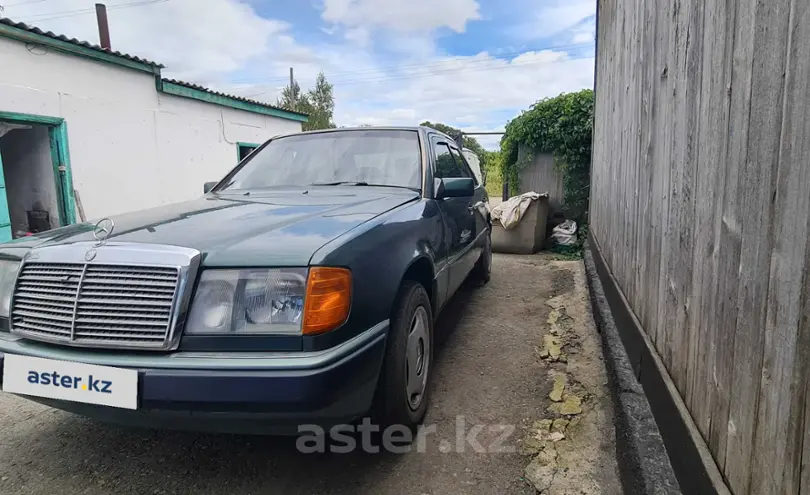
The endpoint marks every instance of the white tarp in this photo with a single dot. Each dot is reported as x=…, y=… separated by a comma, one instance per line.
x=565, y=233
x=512, y=210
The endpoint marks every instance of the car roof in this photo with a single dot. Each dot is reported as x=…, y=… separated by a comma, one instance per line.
x=367, y=128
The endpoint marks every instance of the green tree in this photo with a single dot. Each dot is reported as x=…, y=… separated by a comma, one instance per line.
x=322, y=105
x=291, y=97
x=318, y=103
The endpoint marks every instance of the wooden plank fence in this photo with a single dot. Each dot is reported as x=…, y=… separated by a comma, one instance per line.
x=541, y=176
x=700, y=201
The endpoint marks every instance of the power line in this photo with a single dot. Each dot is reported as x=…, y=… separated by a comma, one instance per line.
x=29, y=2
x=456, y=70
x=418, y=76
x=442, y=63
x=73, y=13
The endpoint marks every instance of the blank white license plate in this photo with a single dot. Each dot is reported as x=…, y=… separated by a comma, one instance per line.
x=78, y=382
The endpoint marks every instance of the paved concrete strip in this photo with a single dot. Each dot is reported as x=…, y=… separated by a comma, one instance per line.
x=492, y=397
x=574, y=444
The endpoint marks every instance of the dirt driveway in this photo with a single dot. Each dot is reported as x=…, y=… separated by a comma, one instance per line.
x=518, y=370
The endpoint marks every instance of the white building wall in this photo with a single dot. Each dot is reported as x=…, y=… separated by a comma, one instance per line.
x=130, y=146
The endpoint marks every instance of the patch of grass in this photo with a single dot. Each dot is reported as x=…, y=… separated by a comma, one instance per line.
x=494, y=184
x=572, y=255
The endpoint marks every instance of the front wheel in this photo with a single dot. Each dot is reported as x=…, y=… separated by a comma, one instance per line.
x=483, y=267
x=403, y=385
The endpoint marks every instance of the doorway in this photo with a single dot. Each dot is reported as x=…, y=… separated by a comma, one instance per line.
x=36, y=192
x=244, y=149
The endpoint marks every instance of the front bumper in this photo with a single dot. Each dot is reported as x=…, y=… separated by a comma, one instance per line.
x=233, y=392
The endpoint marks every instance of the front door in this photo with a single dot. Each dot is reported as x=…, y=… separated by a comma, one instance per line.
x=459, y=219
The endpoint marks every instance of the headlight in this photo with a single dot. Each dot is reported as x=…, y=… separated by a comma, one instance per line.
x=8, y=275
x=288, y=301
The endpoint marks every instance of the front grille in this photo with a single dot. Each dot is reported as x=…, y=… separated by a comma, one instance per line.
x=95, y=305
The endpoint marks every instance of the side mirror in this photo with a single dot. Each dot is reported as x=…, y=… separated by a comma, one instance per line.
x=438, y=188
x=208, y=186
x=456, y=187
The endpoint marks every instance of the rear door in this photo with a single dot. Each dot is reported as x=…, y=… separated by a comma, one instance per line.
x=479, y=205
x=457, y=214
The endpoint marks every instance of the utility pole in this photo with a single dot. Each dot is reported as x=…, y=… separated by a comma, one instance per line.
x=103, y=27
x=293, y=96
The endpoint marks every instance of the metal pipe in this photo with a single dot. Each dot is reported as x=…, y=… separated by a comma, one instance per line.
x=103, y=27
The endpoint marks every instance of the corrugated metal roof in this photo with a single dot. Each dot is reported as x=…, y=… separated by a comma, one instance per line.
x=240, y=98
x=139, y=60
x=74, y=41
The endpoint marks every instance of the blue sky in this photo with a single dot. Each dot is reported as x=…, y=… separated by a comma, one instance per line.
x=473, y=64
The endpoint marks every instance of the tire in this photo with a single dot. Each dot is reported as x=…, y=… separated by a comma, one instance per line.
x=395, y=404
x=482, y=270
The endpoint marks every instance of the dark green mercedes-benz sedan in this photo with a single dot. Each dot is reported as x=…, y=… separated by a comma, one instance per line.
x=302, y=288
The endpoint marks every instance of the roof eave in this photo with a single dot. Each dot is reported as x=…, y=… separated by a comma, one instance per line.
x=173, y=88
x=25, y=36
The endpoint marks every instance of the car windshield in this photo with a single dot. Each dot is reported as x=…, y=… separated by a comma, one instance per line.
x=361, y=157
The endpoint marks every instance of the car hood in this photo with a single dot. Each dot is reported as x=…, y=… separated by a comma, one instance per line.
x=270, y=227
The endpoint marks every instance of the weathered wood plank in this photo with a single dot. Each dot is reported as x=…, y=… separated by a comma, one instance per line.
x=673, y=351
x=630, y=121
x=777, y=444
x=688, y=141
x=625, y=121
x=660, y=166
x=800, y=376
x=663, y=163
x=541, y=176
x=713, y=125
x=645, y=180
x=722, y=429
x=804, y=488
x=757, y=182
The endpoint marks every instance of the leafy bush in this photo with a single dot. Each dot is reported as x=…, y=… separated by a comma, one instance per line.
x=563, y=126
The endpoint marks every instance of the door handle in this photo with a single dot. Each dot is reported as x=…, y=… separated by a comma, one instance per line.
x=475, y=206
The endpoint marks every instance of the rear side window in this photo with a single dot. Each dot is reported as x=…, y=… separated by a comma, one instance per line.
x=463, y=164
x=446, y=165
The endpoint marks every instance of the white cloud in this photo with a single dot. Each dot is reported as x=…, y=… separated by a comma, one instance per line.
x=359, y=35
x=584, y=32
x=402, y=16
x=191, y=41
x=226, y=45
x=475, y=93
x=582, y=38
x=553, y=17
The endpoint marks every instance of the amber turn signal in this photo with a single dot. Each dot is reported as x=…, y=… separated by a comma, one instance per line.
x=328, y=299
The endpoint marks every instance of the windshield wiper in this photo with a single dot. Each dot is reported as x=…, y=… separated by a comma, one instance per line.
x=341, y=183
x=361, y=183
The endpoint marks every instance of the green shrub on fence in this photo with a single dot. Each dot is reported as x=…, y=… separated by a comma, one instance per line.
x=563, y=126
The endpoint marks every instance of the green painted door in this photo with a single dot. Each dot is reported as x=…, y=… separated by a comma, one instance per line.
x=5, y=219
